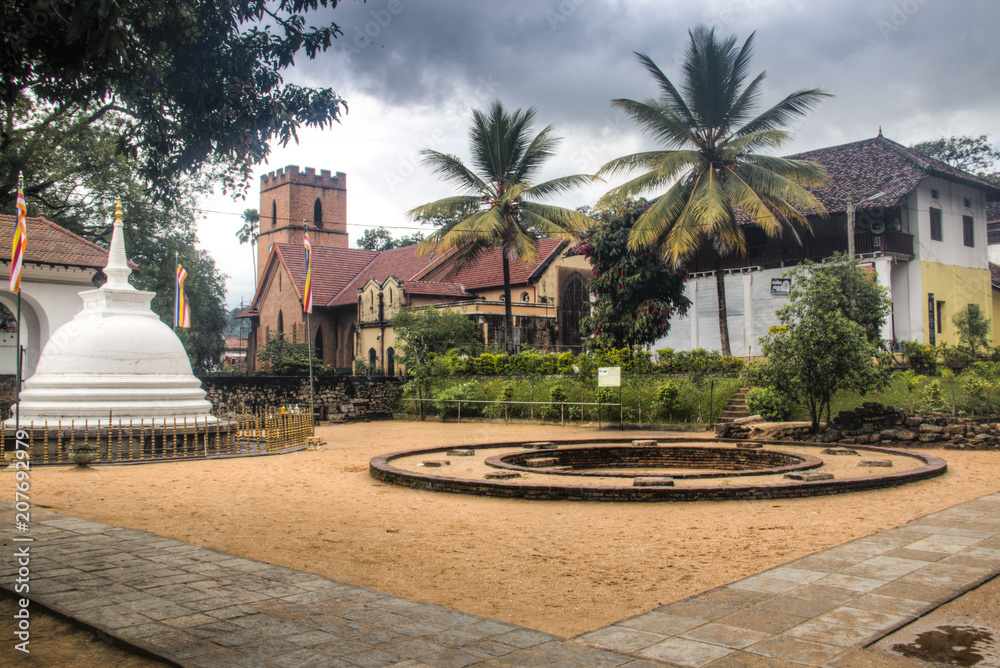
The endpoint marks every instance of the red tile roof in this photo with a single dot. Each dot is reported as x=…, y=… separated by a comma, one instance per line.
x=995, y=276
x=402, y=263
x=51, y=244
x=436, y=289
x=487, y=271
x=333, y=268
x=865, y=168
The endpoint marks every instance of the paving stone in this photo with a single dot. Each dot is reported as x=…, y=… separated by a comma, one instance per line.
x=601, y=659
x=682, y=652
x=850, y=582
x=828, y=633
x=525, y=638
x=725, y=635
x=620, y=639
x=870, y=619
x=662, y=623
x=797, y=651
x=765, y=621
x=884, y=568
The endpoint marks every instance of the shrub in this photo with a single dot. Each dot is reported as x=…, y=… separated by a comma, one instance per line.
x=921, y=356
x=769, y=404
x=667, y=396
x=933, y=400
x=955, y=359
x=465, y=391
x=557, y=397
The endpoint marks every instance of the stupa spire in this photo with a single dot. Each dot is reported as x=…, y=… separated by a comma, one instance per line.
x=117, y=269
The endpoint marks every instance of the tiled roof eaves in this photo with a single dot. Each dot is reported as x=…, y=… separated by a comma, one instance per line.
x=995, y=276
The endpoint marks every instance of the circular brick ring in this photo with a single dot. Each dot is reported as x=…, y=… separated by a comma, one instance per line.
x=381, y=468
x=595, y=461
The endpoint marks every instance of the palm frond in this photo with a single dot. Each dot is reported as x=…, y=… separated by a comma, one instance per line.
x=559, y=219
x=738, y=148
x=660, y=123
x=452, y=170
x=740, y=109
x=449, y=206
x=671, y=97
x=666, y=164
x=653, y=226
x=803, y=172
x=782, y=114
x=559, y=185
x=541, y=148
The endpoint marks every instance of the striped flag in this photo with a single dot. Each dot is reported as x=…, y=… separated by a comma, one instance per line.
x=307, y=298
x=182, y=310
x=20, y=239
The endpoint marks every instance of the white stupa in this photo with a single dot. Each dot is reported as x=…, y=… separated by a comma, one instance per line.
x=114, y=361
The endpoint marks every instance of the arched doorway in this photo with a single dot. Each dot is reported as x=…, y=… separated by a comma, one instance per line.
x=390, y=362
x=574, y=305
x=372, y=358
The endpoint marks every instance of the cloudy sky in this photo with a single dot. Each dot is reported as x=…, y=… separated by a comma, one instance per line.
x=411, y=71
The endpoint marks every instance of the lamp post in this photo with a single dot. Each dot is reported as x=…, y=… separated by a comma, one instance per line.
x=850, y=219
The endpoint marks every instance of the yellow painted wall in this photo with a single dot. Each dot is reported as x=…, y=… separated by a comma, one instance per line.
x=957, y=287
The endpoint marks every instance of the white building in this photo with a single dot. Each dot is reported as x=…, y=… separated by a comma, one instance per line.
x=920, y=223
x=58, y=265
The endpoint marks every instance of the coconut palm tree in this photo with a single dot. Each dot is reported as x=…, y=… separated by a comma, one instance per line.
x=709, y=162
x=499, y=187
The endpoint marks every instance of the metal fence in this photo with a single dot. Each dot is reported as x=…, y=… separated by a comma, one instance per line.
x=231, y=434
x=598, y=408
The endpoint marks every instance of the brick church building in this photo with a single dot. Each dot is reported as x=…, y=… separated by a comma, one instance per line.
x=356, y=293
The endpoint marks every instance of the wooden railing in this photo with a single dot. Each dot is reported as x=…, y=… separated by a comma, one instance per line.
x=812, y=248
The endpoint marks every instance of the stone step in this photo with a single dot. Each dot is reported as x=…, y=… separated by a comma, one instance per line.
x=736, y=408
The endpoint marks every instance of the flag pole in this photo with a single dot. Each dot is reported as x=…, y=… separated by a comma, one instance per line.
x=177, y=291
x=309, y=336
x=17, y=264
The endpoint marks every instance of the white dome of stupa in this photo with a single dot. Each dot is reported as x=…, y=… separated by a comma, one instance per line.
x=115, y=360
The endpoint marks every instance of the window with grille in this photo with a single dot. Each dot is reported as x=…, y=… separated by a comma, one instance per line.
x=968, y=231
x=993, y=233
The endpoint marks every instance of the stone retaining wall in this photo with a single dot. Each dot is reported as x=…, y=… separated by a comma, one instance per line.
x=336, y=397
x=888, y=425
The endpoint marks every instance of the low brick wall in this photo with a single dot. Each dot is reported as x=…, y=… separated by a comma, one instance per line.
x=734, y=462
x=336, y=397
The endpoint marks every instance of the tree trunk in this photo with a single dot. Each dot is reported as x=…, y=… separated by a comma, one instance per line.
x=508, y=309
x=720, y=288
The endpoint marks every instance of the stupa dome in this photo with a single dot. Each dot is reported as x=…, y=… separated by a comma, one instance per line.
x=115, y=360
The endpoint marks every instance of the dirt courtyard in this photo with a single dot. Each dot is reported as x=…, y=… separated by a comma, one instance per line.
x=561, y=567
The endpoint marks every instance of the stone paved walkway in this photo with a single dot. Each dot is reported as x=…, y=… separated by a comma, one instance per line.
x=197, y=607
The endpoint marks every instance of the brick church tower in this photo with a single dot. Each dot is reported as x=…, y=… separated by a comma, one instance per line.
x=288, y=197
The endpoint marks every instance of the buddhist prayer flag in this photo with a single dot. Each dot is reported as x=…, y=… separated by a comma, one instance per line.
x=182, y=310
x=20, y=240
x=307, y=297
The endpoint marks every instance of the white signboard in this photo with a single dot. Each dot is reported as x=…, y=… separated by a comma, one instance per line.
x=609, y=376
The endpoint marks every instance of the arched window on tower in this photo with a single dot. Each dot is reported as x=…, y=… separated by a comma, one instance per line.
x=281, y=323
x=318, y=213
x=274, y=214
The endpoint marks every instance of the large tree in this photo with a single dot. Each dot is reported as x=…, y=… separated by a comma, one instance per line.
x=973, y=153
x=501, y=191
x=190, y=83
x=636, y=292
x=823, y=348
x=711, y=163
x=381, y=239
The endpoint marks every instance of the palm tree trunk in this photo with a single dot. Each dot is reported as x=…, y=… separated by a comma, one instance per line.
x=720, y=288
x=508, y=309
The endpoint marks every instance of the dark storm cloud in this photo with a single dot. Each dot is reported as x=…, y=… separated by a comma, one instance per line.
x=889, y=62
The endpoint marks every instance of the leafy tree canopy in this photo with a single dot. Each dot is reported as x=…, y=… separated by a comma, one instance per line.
x=190, y=83
x=637, y=293
x=430, y=330
x=380, y=239
x=822, y=350
x=285, y=358
x=974, y=154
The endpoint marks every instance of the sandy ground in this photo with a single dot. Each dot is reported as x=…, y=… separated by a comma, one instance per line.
x=561, y=567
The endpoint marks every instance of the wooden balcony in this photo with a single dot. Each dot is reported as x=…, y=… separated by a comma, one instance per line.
x=897, y=244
